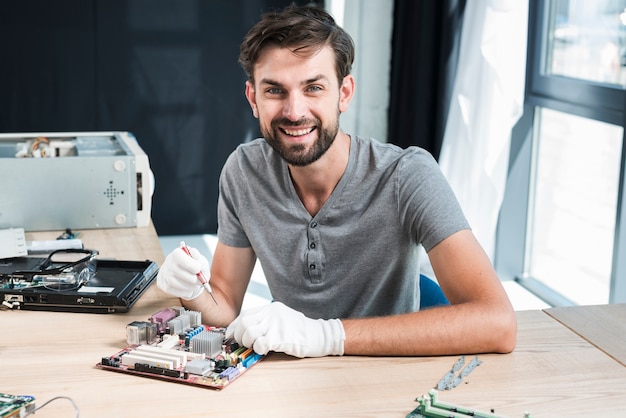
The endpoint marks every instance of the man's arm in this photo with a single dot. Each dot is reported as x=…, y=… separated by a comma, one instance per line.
x=230, y=274
x=480, y=318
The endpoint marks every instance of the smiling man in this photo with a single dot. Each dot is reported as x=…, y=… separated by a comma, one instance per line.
x=336, y=221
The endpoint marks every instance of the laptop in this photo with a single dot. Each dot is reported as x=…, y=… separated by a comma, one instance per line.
x=85, y=284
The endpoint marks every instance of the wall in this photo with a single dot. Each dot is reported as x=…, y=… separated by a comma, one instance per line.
x=165, y=70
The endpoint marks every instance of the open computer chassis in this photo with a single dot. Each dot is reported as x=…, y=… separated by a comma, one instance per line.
x=174, y=346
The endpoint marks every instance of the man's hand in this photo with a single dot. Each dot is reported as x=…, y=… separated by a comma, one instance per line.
x=177, y=275
x=276, y=327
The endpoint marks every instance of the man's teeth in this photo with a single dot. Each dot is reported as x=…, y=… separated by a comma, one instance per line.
x=298, y=132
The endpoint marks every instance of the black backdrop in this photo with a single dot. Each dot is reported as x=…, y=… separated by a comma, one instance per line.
x=167, y=72
x=425, y=50
x=164, y=70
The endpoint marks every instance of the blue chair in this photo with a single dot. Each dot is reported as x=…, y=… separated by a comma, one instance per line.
x=431, y=294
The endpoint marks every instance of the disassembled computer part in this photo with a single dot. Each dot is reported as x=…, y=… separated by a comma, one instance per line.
x=431, y=406
x=448, y=381
x=449, y=377
x=16, y=406
x=85, y=180
x=173, y=345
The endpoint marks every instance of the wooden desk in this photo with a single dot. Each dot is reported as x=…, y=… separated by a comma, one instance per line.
x=553, y=371
x=602, y=325
x=119, y=243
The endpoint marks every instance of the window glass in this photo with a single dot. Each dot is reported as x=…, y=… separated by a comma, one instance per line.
x=573, y=210
x=587, y=40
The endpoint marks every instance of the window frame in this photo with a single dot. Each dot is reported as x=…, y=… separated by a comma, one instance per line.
x=574, y=96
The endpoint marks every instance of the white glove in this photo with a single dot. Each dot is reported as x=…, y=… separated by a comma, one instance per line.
x=276, y=327
x=177, y=275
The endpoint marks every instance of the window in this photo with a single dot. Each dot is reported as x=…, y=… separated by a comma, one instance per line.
x=561, y=237
x=586, y=40
x=572, y=210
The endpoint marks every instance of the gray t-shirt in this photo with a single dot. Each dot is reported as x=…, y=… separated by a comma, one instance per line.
x=358, y=256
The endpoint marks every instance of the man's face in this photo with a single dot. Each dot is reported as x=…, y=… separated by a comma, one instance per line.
x=298, y=100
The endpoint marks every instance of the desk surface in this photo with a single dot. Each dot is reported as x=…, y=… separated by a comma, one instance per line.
x=602, y=325
x=119, y=243
x=552, y=372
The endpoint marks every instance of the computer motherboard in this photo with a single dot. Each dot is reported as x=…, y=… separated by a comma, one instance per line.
x=173, y=345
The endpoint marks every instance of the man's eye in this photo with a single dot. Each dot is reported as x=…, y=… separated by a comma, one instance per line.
x=274, y=90
x=314, y=89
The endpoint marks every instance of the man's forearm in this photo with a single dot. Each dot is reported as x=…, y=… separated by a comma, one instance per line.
x=458, y=329
x=219, y=314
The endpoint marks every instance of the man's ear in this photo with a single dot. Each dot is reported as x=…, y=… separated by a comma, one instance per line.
x=251, y=96
x=346, y=91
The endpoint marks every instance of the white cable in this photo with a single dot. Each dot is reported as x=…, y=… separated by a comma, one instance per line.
x=54, y=399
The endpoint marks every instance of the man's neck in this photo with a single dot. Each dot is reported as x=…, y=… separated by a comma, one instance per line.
x=315, y=182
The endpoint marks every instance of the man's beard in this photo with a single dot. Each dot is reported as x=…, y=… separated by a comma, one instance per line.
x=299, y=154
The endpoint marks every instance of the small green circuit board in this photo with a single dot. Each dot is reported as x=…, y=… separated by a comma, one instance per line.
x=431, y=407
x=16, y=405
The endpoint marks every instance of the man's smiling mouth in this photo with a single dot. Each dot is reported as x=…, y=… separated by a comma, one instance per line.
x=298, y=132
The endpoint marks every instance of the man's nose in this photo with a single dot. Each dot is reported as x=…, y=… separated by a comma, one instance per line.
x=294, y=107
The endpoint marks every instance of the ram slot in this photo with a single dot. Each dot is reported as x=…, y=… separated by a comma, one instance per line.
x=130, y=359
x=178, y=354
x=169, y=341
x=176, y=361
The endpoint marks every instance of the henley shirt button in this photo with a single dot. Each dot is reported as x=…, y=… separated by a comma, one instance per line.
x=312, y=245
x=312, y=266
x=313, y=224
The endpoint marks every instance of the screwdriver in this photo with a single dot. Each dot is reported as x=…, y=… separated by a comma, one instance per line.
x=200, y=275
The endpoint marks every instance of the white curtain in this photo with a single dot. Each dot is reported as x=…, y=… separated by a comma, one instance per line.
x=487, y=100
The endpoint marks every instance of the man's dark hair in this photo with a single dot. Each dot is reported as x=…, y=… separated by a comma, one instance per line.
x=301, y=29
